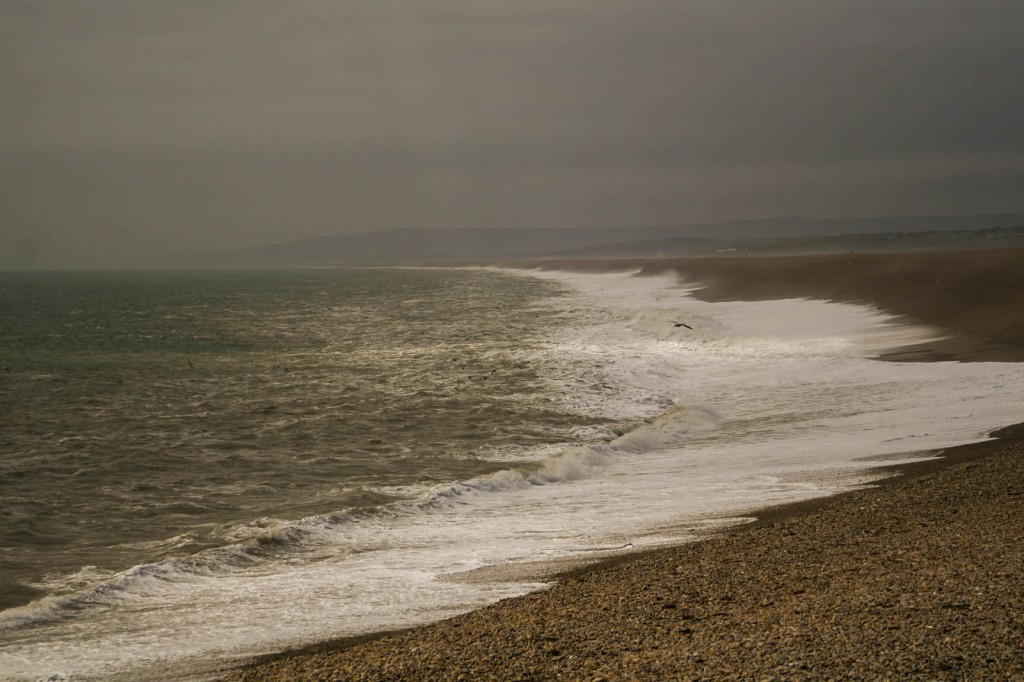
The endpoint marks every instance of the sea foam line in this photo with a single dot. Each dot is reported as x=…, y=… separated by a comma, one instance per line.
x=267, y=539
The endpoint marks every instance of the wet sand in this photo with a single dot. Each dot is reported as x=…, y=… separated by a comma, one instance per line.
x=918, y=577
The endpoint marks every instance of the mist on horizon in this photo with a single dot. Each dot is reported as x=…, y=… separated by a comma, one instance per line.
x=133, y=128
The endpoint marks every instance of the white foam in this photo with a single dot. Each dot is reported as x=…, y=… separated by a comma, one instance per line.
x=671, y=428
x=759, y=403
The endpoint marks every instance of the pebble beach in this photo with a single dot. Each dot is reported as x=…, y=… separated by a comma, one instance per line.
x=918, y=576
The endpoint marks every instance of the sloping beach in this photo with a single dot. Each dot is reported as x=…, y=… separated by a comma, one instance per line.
x=921, y=576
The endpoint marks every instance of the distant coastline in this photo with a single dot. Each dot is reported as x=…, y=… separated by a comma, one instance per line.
x=770, y=236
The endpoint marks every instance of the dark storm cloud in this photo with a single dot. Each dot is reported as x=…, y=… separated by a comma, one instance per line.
x=138, y=125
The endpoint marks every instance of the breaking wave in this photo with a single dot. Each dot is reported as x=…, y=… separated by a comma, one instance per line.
x=267, y=539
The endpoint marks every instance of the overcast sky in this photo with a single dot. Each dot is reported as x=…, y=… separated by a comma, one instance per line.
x=146, y=125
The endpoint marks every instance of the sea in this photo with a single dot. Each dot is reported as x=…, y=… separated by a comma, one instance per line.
x=197, y=467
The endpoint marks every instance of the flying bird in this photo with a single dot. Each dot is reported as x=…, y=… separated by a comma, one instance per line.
x=681, y=324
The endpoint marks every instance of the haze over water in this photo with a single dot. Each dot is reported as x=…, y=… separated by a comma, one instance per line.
x=197, y=466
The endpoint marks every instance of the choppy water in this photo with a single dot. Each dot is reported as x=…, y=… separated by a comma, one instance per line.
x=196, y=466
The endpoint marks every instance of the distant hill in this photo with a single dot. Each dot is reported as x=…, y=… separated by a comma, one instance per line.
x=412, y=246
x=873, y=242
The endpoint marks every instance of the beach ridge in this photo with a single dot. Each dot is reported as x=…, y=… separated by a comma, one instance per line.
x=920, y=576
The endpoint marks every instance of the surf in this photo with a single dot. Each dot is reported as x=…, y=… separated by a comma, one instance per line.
x=667, y=431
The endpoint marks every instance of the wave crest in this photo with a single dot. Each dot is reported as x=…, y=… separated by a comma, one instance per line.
x=265, y=538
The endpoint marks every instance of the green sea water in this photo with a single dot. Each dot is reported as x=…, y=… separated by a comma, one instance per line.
x=145, y=415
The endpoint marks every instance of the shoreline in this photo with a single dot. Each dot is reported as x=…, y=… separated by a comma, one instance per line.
x=974, y=297
x=654, y=614
x=594, y=594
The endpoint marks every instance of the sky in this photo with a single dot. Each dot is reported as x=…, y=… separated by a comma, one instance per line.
x=136, y=126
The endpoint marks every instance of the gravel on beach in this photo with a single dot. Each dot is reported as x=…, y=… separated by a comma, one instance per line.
x=920, y=576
